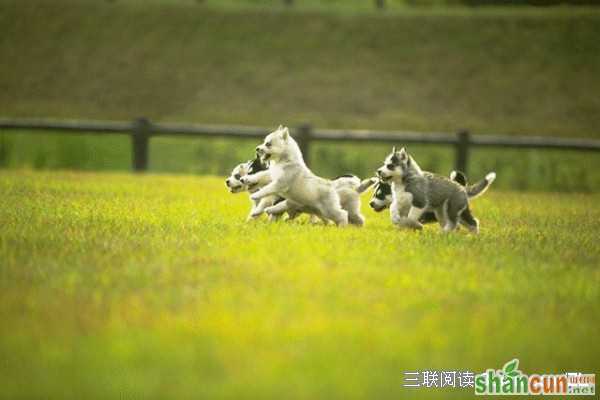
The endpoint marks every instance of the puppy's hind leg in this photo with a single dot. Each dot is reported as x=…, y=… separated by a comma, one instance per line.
x=356, y=218
x=329, y=207
x=440, y=214
x=353, y=208
x=336, y=214
x=451, y=213
x=466, y=219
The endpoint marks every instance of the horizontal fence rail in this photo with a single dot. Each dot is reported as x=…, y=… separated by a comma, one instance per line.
x=142, y=129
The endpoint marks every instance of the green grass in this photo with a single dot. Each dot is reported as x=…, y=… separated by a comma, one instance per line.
x=124, y=286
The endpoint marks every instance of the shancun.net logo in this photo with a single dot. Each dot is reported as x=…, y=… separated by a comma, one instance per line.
x=510, y=381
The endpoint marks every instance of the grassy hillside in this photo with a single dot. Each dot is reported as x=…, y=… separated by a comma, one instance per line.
x=530, y=72
x=524, y=71
x=115, y=286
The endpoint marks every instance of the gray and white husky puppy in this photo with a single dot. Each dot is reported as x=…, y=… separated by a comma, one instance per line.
x=419, y=191
x=294, y=181
x=382, y=193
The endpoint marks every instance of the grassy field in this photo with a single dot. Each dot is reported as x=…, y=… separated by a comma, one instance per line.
x=123, y=286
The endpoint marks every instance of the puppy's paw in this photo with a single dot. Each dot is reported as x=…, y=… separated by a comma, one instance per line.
x=254, y=197
x=409, y=223
x=271, y=211
x=254, y=215
x=397, y=220
x=248, y=180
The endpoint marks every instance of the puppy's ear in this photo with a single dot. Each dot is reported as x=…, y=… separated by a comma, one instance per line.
x=280, y=127
x=403, y=154
x=285, y=133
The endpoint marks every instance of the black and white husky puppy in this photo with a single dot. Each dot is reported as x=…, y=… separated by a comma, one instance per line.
x=235, y=185
x=419, y=191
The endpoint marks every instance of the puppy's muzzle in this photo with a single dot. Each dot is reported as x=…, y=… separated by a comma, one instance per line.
x=382, y=177
x=376, y=207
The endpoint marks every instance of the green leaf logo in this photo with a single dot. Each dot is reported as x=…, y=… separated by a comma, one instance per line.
x=510, y=368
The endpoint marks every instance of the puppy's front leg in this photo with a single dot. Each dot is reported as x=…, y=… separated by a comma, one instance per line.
x=260, y=208
x=395, y=213
x=269, y=190
x=400, y=207
x=278, y=208
x=263, y=177
x=412, y=221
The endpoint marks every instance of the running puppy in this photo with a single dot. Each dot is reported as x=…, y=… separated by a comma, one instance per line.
x=382, y=193
x=348, y=188
x=292, y=180
x=418, y=191
x=235, y=185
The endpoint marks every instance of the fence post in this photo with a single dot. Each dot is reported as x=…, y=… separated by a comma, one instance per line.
x=139, y=144
x=380, y=4
x=303, y=138
x=462, y=150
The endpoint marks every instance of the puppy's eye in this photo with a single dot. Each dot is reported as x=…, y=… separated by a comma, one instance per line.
x=268, y=144
x=237, y=176
x=390, y=166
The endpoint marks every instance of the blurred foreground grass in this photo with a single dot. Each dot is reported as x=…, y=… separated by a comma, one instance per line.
x=123, y=286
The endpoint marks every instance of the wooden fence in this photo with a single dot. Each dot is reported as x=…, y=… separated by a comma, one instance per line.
x=141, y=130
x=378, y=3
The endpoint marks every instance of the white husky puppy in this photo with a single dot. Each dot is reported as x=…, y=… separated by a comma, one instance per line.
x=348, y=188
x=292, y=180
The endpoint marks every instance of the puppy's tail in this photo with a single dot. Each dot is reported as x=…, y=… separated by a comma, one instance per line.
x=479, y=188
x=458, y=177
x=352, y=182
x=365, y=184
